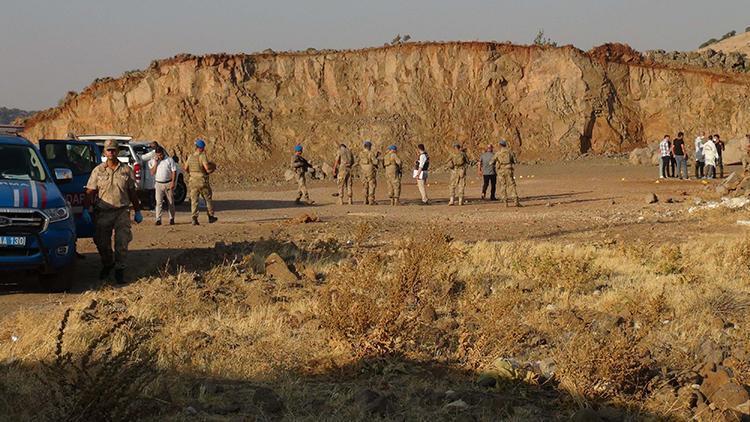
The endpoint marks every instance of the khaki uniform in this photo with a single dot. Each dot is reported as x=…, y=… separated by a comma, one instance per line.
x=393, y=172
x=368, y=165
x=112, y=212
x=504, y=160
x=458, y=163
x=300, y=166
x=198, y=184
x=345, y=160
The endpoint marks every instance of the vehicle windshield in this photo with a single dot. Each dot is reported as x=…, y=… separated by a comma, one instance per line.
x=21, y=162
x=77, y=157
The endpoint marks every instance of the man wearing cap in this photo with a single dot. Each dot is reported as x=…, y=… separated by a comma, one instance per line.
x=457, y=162
x=300, y=166
x=504, y=161
x=392, y=164
x=198, y=168
x=342, y=168
x=486, y=168
x=111, y=192
x=368, y=165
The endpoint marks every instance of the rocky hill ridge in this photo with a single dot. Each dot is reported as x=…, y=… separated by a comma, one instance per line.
x=551, y=103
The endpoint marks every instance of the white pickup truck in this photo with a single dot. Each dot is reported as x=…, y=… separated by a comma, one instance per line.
x=136, y=154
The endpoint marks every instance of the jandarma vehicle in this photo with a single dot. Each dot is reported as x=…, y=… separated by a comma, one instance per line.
x=37, y=226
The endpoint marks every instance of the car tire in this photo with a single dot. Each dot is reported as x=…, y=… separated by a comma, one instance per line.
x=59, y=282
x=180, y=191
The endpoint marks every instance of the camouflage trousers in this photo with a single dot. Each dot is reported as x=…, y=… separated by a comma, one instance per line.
x=369, y=183
x=507, y=185
x=302, y=188
x=112, y=221
x=394, y=187
x=345, y=182
x=457, y=183
x=199, y=186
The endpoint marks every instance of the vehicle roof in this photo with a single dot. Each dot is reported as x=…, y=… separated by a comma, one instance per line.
x=14, y=140
x=63, y=140
x=123, y=138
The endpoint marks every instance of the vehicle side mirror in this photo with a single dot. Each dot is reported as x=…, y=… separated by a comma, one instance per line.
x=63, y=175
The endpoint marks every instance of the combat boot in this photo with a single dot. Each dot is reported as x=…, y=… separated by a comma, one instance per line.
x=518, y=204
x=460, y=201
x=297, y=201
x=212, y=219
x=104, y=273
x=451, y=202
x=195, y=221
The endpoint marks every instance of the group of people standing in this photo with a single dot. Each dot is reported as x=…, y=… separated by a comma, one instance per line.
x=708, y=157
x=491, y=165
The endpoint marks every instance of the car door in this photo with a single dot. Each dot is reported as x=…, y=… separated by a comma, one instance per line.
x=80, y=157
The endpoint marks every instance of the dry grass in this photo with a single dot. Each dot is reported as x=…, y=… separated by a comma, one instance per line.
x=610, y=318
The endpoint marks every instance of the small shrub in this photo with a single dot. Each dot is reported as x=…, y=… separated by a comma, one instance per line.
x=559, y=267
x=669, y=260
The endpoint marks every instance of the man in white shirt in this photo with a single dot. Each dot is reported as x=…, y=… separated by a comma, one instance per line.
x=164, y=170
x=421, y=169
x=665, y=149
x=700, y=162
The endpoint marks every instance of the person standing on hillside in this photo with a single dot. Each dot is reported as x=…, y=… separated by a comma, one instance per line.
x=720, y=151
x=368, y=166
x=664, y=152
x=710, y=155
x=164, y=171
x=342, y=168
x=486, y=169
x=457, y=162
x=679, y=152
x=504, y=162
x=700, y=162
x=393, y=172
x=300, y=166
x=198, y=167
x=421, y=169
x=110, y=190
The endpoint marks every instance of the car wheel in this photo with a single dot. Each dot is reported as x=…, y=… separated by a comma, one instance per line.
x=180, y=192
x=59, y=282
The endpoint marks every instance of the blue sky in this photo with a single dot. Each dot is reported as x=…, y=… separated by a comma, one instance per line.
x=51, y=47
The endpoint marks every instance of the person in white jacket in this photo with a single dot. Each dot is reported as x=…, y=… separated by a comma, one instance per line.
x=710, y=156
x=700, y=163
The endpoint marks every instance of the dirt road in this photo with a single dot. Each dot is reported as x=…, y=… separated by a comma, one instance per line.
x=592, y=200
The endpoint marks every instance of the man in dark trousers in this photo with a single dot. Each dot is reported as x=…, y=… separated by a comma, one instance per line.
x=720, y=160
x=487, y=170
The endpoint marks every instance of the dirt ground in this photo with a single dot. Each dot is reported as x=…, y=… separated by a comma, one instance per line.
x=590, y=200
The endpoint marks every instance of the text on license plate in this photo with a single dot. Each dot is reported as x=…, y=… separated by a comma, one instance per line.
x=12, y=241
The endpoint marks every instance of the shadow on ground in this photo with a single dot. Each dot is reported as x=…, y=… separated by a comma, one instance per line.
x=383, y=388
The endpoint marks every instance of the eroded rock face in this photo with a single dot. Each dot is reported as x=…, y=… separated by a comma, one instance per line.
x=550, y=103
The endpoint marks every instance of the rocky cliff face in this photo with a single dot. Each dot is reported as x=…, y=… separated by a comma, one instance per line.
x=551, y=103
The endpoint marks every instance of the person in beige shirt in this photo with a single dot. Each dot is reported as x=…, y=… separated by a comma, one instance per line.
x=342, y=168
x=111, y=192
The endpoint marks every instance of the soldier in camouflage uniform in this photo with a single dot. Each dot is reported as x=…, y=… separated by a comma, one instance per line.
x=504, y=161
x=111, y=191
x=393, y=171
x=342, y=168
x=198, y=168
x=457, y=163
x=368, y=165
x=300, y=167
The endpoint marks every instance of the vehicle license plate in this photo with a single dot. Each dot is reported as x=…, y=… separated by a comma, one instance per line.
x=6, y=241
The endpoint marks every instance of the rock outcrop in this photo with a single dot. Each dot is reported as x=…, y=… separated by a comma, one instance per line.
x=550, y=103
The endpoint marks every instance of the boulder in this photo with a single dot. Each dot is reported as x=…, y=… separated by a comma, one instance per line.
x=327, y=171
x=277, y=268
x=640, y=156
x=733, y=151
